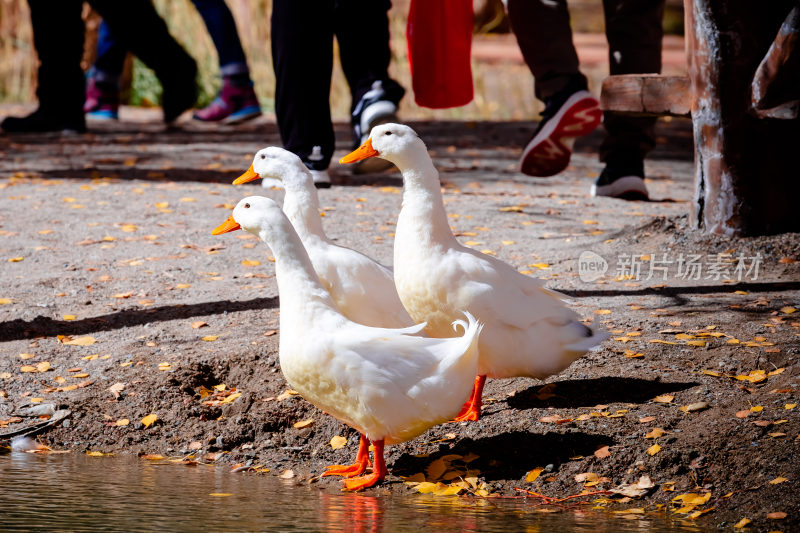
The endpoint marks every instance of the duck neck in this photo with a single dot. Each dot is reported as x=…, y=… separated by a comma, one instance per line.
x=422, y=216
x=302, y=293
x=301, y=205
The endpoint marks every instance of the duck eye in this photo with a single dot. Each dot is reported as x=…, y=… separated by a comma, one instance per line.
x=263, y=156
x=247, y=206
x=388, y=133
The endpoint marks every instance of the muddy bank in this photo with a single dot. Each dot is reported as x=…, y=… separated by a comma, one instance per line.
x=107, y=237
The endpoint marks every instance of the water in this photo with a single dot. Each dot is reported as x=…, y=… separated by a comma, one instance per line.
x=74, y=492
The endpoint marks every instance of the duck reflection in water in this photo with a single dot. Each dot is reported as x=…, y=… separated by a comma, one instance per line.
x=352, y=513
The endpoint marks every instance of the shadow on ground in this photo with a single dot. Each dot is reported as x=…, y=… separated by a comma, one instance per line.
x=509, y=455
x=591, y=392
x=47, y=327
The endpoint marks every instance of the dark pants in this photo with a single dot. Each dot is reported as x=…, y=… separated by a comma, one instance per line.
x=633, y=30
x=219, y=23
x=58, y=32
x=302, y=55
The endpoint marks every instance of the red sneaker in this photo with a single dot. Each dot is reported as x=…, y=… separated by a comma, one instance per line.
x=550, y=149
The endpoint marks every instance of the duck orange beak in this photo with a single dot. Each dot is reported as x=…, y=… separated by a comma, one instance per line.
x=225, y=227
x=364, y=151
x=249, y=175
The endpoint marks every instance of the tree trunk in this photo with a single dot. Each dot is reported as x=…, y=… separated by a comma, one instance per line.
x=747, y=180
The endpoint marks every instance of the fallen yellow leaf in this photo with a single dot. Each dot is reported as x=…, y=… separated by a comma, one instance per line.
x=743, y=522
x=696, y=406
x=303, y=423
x=6, y=301
x=338, y=442
x=123, y=422
x=44, y=366
x=664, y=398
x=210, y=338
x=231, y=398
x=425, y=487
x=656, y=433
x=80, y=341
x=449, y=490
x=533, y=474
x=69, y=317
x=251, y=262
x=149, y=420
x=654, y=449
x=98, y=454
x=777, y=480
x=219, y=494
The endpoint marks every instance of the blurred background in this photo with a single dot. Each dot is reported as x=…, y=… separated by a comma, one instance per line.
x=503, y=84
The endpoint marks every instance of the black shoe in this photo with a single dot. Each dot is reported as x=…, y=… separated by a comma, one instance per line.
x=41, y=122
x=624, y=183
x=377, y=106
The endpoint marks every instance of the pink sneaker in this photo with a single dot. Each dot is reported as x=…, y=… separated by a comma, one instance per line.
x=231, y=106
x=102, y=100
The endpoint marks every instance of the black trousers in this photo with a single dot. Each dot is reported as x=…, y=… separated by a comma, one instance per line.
x=302, y=56
x=58, y=34
x=634, y=33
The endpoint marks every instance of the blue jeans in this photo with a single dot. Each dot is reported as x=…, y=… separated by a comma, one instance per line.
x=219, y=23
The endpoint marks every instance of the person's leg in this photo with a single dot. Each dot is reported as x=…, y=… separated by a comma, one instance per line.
x=634, y=32
x=542, y=28
x=302, y=56
x=102, y=91
x=58, y=37
x=222, y=29
x=362, y=31
x=141, y=30
x=237, y=100
x=110, y=55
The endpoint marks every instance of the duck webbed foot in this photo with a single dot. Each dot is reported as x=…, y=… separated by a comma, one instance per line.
x=378, y=471
x=355, y=469
x=472, y=409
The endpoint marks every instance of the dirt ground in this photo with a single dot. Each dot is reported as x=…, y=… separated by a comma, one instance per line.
x=107, y=236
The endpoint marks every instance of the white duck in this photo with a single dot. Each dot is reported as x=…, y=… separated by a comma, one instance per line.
x=528, y=330
x=388, y=384
x=362, y=288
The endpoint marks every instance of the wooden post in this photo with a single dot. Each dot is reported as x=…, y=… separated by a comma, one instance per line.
x=776, y=85
x=747, y=169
